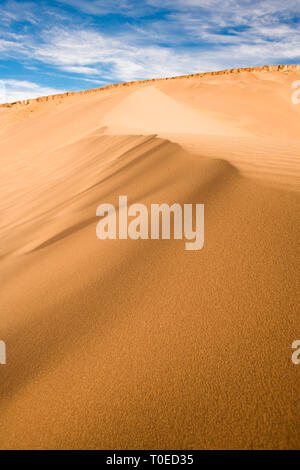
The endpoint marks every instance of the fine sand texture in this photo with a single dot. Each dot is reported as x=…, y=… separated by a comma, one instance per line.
x=140, y=344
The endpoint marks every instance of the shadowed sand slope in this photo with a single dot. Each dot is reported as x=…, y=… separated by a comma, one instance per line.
x=141, y=344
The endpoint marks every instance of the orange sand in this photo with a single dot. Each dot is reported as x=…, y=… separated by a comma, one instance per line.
x=123, y=344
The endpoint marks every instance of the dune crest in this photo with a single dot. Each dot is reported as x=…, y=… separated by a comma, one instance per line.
x=286, y=68
x=149, y=111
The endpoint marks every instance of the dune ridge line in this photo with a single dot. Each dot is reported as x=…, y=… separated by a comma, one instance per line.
x=263, y=68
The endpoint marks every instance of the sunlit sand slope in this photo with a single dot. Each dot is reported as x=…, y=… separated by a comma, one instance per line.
x=141, y=344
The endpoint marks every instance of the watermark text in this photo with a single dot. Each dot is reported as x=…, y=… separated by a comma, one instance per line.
x=2, y=353
x=159, y=226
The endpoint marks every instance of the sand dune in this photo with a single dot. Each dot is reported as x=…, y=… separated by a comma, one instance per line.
x=164, y=115
x=123, y=344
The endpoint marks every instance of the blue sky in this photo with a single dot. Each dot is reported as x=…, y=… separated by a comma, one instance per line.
x=68, y=45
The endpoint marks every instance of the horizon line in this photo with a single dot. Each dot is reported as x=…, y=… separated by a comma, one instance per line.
x=262, y=68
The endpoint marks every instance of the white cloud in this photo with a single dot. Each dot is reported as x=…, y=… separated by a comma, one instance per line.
x=234, y=9
x=103, y=7
x=16, y=90
x=89, y=52
x=73, y=47
x=112, y=58
x=7, y=45
x=194, y=36
x=12, y=11
x=81, y=70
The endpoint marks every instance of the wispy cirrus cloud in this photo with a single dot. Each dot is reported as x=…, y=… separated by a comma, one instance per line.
x=90, y=52
x=12, y=11
x=134, y=8
x=81, y=70
x=16, y=90
x=7, y=45
x=86, y=51
x=103, y=42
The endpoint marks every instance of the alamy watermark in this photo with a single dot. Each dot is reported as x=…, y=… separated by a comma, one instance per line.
x=141, y=228
x=2, y=353
x=296, y=343
x=296, y=93
x=296, y=353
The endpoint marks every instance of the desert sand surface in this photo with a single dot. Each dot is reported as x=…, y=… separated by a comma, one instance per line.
x=140, y=344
